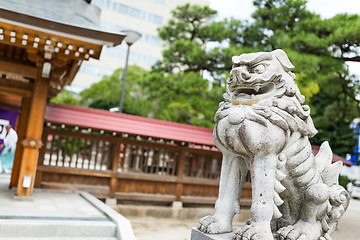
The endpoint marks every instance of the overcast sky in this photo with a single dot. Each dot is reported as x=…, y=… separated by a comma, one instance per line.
x=242, y=9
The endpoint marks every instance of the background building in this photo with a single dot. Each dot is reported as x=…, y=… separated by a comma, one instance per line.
x=143, y=16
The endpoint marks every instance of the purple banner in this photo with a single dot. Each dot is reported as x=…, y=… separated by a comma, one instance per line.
x=6, y=117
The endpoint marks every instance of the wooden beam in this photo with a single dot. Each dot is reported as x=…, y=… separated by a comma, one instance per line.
x=36, y=40
x=18, y=68
x=71, y=75
x=19, y=88
x=11, y=99
x=53, y=92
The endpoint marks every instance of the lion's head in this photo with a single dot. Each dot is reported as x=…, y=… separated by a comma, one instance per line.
x=264, y=83
x=256, y=76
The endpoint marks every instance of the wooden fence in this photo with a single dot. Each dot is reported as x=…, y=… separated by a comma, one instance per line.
x=129, y=168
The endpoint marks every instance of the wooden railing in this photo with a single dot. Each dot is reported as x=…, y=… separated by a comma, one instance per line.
x=129, y=169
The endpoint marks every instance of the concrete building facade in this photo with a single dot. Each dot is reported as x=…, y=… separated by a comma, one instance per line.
x=143, y=16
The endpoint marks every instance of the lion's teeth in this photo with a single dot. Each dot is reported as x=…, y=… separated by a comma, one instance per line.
x=256, y=88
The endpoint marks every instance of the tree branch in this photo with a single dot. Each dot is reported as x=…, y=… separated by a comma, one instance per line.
x=352, y=59
x=208, y=68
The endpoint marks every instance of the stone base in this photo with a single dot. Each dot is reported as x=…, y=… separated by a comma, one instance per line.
x=23, y=198
x=111, y=201
x=197, y=235
x=184, y=213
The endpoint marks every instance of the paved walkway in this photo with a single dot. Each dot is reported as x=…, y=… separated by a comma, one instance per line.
x=349, y=228
x=162, y=229
x=53, y=214
x=45, y=204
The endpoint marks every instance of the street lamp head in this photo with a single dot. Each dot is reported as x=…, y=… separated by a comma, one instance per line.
x=131, y=36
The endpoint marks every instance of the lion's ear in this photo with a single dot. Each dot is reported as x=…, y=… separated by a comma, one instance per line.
x=283, y=59
x=235, y=59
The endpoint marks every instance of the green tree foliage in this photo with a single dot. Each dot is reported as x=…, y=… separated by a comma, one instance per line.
x=186, y=36
x=183, y=97
x=343, y=181
x=67, y=97
x=106, y=93
x=317, y=47
x=187, y=84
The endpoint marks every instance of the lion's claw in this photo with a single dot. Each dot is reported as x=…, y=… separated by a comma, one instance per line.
x=210, y=224
x=291, y=233
x=253, y=232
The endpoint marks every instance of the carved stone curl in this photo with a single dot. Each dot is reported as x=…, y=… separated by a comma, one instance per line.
x=263, y=126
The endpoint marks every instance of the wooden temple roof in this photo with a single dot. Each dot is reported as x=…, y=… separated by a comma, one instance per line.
x=336, y=157
x=53, y=35
x=76, y=19
x=124, y=123
x=64, y=11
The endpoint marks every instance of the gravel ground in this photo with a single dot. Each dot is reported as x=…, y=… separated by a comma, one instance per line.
x=170, y=229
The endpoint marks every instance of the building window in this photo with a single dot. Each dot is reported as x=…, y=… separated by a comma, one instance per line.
x=143, y=15
x=155, y=40
x=123, y=9
x=158, y=19
x=162, y=2
x=90, y=69
x=111, y=27
x=134, y=57
x=151, y=39
x=115, y=52
x=108, y=3
x=134, y=12
x=115, y=6
x=99, y=3
x=155, y=19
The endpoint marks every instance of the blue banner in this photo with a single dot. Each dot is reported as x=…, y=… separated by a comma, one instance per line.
x=355, y=156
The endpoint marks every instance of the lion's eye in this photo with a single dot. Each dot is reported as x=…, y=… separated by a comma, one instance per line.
x=259, y=69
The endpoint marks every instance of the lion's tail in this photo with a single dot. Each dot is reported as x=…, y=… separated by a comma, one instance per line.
x=338, y=196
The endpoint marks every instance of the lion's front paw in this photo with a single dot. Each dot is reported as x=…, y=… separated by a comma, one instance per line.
x=291, y=233
x=301, y=231
x=212, y=225
x=254, y=231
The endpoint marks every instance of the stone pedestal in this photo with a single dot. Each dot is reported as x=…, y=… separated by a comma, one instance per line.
x=197, y=235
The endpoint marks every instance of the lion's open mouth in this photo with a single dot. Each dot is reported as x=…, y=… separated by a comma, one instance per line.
x=252, y=91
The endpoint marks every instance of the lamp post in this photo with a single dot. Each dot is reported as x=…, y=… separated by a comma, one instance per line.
x=131, y=37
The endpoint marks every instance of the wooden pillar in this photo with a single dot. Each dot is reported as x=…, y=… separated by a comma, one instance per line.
x=114, y=168
x=32, y=141
x=21, y=131
x=180, y=173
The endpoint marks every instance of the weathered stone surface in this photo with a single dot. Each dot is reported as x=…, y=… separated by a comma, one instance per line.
x=197, y=235
x=264, y=126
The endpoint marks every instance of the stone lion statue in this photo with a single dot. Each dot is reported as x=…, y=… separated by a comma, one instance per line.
x=263, y=126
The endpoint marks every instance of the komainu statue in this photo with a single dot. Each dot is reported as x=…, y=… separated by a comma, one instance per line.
x=263, y=126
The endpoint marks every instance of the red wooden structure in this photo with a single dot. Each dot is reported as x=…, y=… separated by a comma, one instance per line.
x=128, y=157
